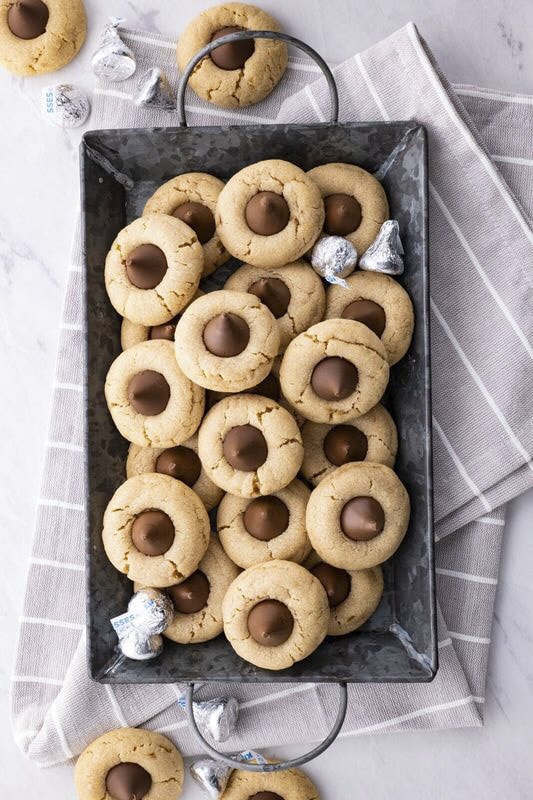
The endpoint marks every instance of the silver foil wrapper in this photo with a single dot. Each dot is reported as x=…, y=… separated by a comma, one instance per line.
x=113, y=61
x=218, y=717
x=386, y=251
x=155, y=91
x=213, y=776
x=151, y=611
x=334, y=257
x=65, y=105
x=139, y=647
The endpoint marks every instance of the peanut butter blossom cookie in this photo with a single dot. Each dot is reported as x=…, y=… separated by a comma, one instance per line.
x=227, y=341
x=237, y=74
x=380, y=303
x=290, y=784
x=355, y=202
x=153, y=269
x=357, y=517
x=275, y=614
x=370, y=437
x=294, y=294
x=198, y=599
x=336, y=371
x=269, y=214
x=132, y=333
x=250, y=446
x=156, y=530
x=153, y=404
x=269, y=527
x=353, y=595
x=129, y=763
x=192, y=197
x=38, y=36
x=180, y=462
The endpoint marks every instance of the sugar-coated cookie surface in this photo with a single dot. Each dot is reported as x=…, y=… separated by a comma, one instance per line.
x=356, y=203
x=294, y=293
x=38, y=36
x=192, y=197
x=239, y=74
x=156, y=530
x=292, y=624
x=379, y=302
x=153, y=404
x=250, y=445
x=269, y=213
x=358, y=515
x=335, y=371
x=129, y=759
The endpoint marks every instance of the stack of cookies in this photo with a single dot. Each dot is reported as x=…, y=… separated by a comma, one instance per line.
x=252, y=405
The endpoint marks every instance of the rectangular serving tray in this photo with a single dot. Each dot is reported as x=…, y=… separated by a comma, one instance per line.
x=119, y=171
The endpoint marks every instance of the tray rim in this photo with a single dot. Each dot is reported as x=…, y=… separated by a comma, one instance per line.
x=85, y=149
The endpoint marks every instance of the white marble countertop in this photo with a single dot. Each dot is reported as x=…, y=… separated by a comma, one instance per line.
x=475, y=42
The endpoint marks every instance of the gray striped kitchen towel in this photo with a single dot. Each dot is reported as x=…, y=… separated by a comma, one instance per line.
x=482, y=347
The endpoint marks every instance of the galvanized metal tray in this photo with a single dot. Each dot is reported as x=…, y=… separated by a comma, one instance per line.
x=119, y=171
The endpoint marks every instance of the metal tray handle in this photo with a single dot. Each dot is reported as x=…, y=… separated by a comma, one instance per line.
x=235, y=37
x=279, y=765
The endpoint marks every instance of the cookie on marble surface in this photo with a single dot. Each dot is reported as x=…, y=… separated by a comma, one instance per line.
x=226, y=341
x=129, y=762
x=336, y=371
x=358, y=516
x=181, y=462
x=38, y=36
x=156, y=530
x=289, y=784
x=294, y=294
x=269, y=213
x=370, y=437
x=250, y=445
x=153, y=269
x=239, y=74
x=355, y=202
x=198, y=599
x=192, y=197
x=275, y=614
x=380, y=303
x=153, y=404
x=353, y=595
x=131, y=333
x=266, y=528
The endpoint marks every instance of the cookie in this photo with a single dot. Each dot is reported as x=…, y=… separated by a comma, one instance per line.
x=132, y=333
x=370, y=437
x=250, y=445
x=226, y=341
x=267, y=528
x=275, y=614
x=239, y=74
x=181, y=462
x=294, y=294
x=153, y=269
x=198, y=599
x=129, y=762
x=336, y=371
x=192, y=197
x=380, y=303
x=353, y=595
x=358, y=516
x=356, y=203
x=153, y=404
x=38, y=37
x=290, y=784
x=156, y=530
x=269, y=213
